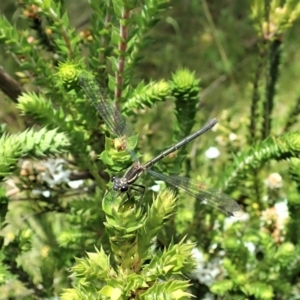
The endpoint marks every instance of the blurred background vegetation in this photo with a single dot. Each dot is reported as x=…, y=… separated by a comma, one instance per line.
x=220, y=43
x=216, y=40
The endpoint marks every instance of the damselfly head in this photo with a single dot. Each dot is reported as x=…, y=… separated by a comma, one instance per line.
x=119, y=184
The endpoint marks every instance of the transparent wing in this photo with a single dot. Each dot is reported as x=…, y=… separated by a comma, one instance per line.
x=110, y=114
x=201, y=191
x=111, y=202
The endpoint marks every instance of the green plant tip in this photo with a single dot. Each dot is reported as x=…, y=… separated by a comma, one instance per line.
x=69, y=73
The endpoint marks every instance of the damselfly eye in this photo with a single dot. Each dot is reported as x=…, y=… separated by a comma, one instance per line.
x=123, y=188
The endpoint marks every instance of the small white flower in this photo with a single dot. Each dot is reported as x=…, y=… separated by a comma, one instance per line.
x=232, y=137
x=274, y=181
x=212, y=152
x=231, y=220
x=157, y=187
x=56, y=172
x=206, y=272
x=198, y=256
x=75, y=184
x=282, y=212
x=46, y=193
x=250, y=246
